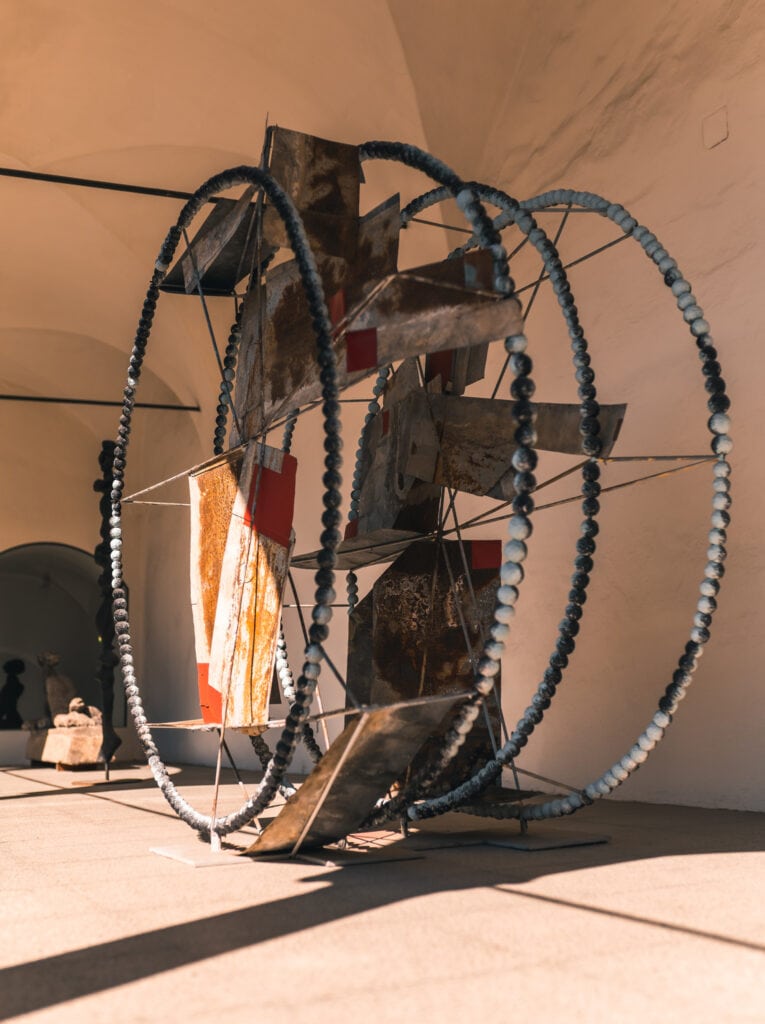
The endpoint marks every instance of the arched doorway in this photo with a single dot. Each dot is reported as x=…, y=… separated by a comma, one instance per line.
x=48, y=600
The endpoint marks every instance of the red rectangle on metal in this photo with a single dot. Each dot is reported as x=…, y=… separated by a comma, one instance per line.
x=486, y=554
x=209, y=699
x=361, y=349
x=271, y=501
x=440, y=363
x=352, y=529
x=336, y=307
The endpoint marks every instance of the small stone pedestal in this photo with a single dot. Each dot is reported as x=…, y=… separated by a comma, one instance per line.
x=71, y=747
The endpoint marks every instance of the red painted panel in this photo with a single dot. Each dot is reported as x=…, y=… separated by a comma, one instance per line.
x=209, y=699
x=440, y=363
x=486, y=554
x=336, y=306
x=361, y=349
x=271, y=502
x=352, y=529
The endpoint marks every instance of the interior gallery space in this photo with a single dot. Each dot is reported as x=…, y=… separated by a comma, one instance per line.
x=380, y=554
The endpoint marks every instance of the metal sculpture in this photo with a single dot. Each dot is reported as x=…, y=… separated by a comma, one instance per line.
x=424, y=730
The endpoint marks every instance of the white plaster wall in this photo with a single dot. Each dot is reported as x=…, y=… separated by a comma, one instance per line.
x=613, y=98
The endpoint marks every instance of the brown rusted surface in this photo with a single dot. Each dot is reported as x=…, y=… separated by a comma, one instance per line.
x=209, y=244
x=213, y=488
x=224, y=245
x=477, y=440
x=239, y=561
x=323, y=179
x=426, y=309
x=372, y=751
x=407, y=640
x=253, y=572
x=368, y=549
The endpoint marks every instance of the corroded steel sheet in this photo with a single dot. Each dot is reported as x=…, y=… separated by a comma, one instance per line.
x=323, y=179
x=237, y=584
x=440, y=306
x=477, y=440
x=368, y=549
x=373, y=750
x=419, y=632
x=223, y=248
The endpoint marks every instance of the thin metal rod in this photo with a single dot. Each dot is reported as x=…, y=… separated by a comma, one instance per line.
x=531, y=301
x=109, y=186
x=436, y=224
x=330, y=782
x=200, y=292
x=551, y=782
x=604, y=490
x=98, y=401
x=166, y=504
x=580, y=259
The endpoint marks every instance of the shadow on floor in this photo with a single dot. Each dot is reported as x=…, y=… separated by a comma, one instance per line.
x=639, y=832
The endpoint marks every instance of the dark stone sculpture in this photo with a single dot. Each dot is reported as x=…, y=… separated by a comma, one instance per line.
x=11, y=690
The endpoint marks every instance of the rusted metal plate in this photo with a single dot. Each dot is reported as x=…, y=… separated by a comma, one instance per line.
x=419, y=632
x=224, y=245
x=477, y=441
x=423, y=310
x=209, y=245
x=367, y=549
x=243, y=581
x=323, y=180
x=280, y=372
x=373, y=750
x=213, y=487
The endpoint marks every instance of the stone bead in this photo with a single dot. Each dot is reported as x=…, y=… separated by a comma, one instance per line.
x=516, y=343
x=699, y=327
x=603, y=787
x=721, y=501
x=680, y=287
x=721, y=485
x=514, y=551
x=500, y=631
x=519, y=527
x=511, y=574
x=714, y=570
x=720, y=519
x=620, y=772
x=638, y=755
x=507, y=595
x=716, y=553
x=721, y=468
x=504, y=614
x=722, y=445
x=700, y=634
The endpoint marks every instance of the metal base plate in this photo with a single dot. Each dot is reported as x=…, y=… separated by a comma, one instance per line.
x=198, y=855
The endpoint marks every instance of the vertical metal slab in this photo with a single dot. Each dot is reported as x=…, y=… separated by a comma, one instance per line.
x=407, y=637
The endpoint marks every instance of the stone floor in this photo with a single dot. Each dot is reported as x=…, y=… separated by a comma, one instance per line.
x=663, y=923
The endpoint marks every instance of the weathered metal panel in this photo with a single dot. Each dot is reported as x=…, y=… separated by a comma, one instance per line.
x=213, y=488
x=372, y=751
x=208, y=246
x=419, y=632
x=323, y=180
x=369, y=549
x=406, y=314
x=229, y=254
x=477, y=440
x=242, y=580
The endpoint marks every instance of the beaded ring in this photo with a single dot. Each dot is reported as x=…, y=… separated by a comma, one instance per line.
x=718, y=425
x=330, y=538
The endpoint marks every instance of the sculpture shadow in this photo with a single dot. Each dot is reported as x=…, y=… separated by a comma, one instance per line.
x=662, y=831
